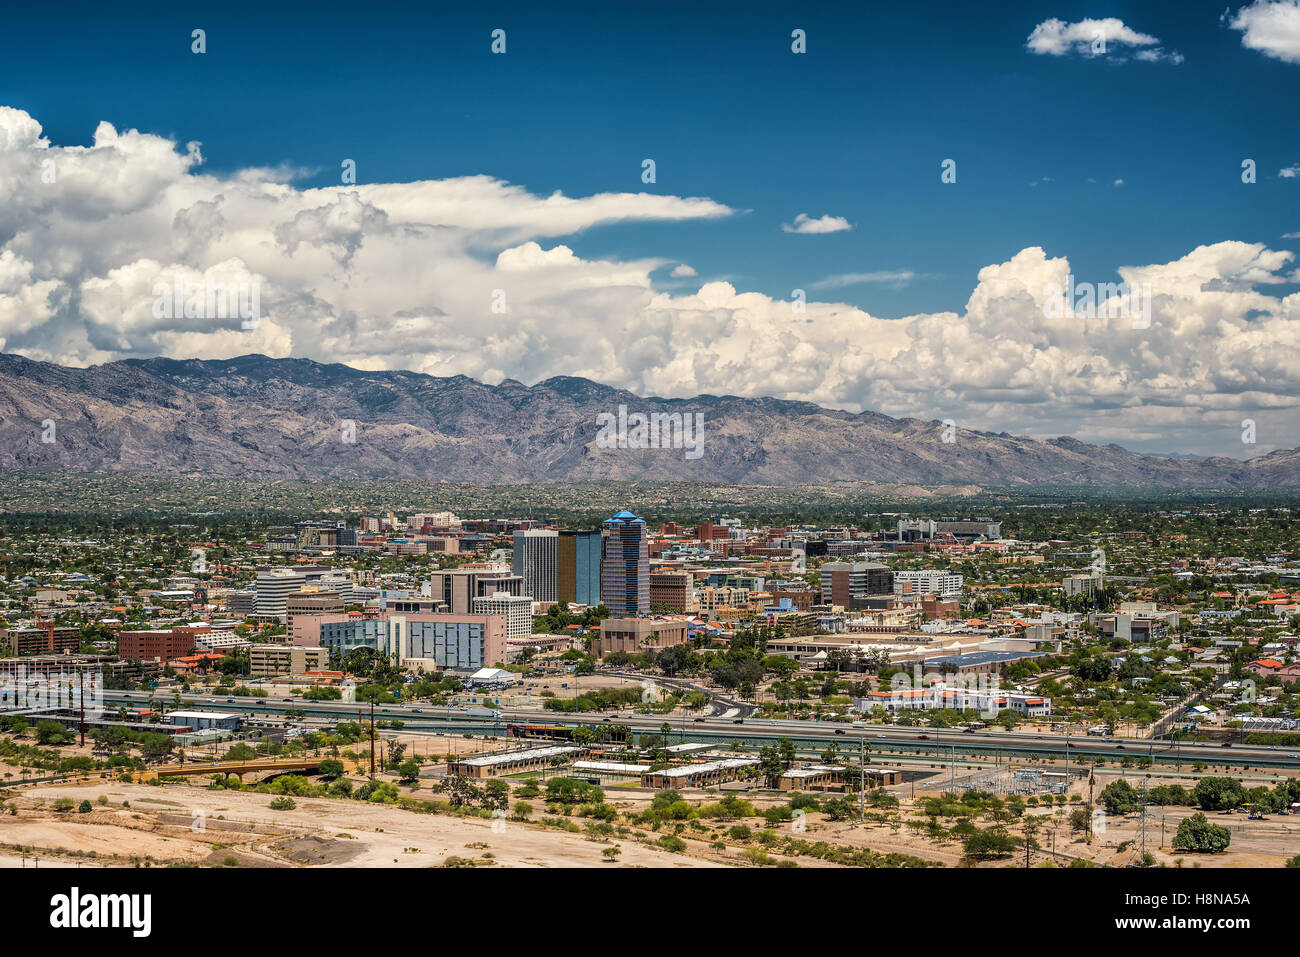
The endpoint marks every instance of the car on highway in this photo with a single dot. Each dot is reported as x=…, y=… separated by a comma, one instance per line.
x=416, y=711
x=967, y=730
x=923, y=737
x=1226, y=744
x=839, y=730
x=738, y=721
x=230, y=701
x=698, y=720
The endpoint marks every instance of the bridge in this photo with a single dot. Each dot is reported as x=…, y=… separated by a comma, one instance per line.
x=921, y=743
x=237, y=768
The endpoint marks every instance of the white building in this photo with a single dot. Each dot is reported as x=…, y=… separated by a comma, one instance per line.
x=1081, y=584
x=988, y=701
x=274, y=586
x=220, y=641
x=928, y=581
x=518, y=610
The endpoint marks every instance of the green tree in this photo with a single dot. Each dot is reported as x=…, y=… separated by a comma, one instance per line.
x=1219, y=793
x=1197, y=834
x=1120, y=797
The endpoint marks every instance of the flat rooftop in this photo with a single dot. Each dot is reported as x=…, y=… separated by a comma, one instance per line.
x=611, y=767
x=528, y=754
x=727, y=764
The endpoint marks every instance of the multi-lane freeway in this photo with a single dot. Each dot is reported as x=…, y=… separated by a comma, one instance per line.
x=809, y=735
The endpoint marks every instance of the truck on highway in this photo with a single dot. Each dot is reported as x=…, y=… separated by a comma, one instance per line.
x=483, y=713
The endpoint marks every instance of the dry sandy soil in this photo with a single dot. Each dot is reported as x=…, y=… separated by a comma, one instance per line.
x=200, y=826
x=193, y=825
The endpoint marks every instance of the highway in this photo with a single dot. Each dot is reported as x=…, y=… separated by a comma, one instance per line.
x=809, y=735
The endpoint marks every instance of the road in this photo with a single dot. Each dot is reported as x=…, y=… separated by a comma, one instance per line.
x=754, y=731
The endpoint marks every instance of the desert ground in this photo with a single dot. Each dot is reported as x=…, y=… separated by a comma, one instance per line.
x=189, y=824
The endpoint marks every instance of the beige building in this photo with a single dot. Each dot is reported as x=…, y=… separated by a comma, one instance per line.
x=265, y=661
x=636, y=636
x=712, y=597
x=310, y=602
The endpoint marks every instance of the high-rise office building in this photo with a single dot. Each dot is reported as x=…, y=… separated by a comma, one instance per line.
x=310, y=603
x=842, y=582
x=458, y=587
x=625, y=566
x=578, y=567
x=274, y=586
x=673, y=591
x=536, y=561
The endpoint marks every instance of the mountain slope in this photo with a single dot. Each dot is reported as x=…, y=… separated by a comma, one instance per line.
x=284, y=418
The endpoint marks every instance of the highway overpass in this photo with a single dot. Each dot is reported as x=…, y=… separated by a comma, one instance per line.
x=752, y=732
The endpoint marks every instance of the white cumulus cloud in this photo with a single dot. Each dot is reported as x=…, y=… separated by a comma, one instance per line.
x=1107, y=37
x=803, y=223
x=1272, y=27
x=470, y=276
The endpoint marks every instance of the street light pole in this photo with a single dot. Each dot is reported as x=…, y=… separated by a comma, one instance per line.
x=862, y=792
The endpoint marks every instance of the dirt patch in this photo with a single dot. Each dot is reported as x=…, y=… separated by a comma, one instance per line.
x=315, y=849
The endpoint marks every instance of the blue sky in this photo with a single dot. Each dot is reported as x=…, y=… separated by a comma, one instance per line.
x=855, y=128
x=1069, y=161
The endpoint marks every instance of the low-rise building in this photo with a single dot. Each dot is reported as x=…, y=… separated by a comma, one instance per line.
x=201, y=720
x=264, y=661
x=638, y=635
x=514, y=762
x=698, y=775
x=938, y=696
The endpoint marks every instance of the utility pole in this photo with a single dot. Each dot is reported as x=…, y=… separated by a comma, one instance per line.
x=1090, y=811
x=862, y=788
x=1144, y=816
x=372, y=718
x=81, y=699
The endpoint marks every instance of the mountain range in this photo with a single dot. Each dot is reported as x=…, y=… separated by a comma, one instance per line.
x=259, y=417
